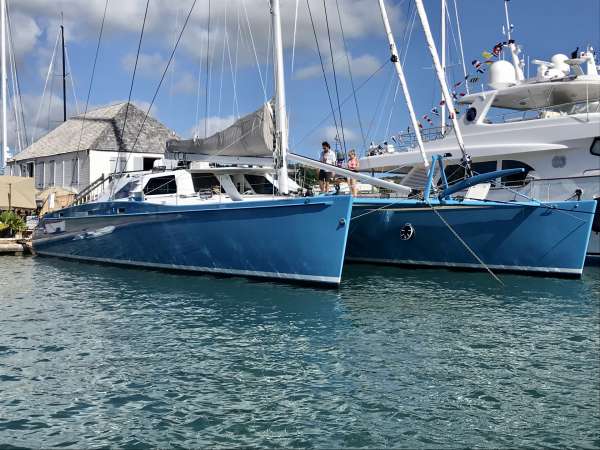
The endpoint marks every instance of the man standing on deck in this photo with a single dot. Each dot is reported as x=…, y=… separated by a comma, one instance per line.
x=328, y=157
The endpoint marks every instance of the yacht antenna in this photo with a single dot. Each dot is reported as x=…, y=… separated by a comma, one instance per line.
x=444, y=86
x=512, y=45
x=281, y=129
x=396, y=60
x=4, y=79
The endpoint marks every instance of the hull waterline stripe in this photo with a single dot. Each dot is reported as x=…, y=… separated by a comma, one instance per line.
x=248, y=273
x=467, y=265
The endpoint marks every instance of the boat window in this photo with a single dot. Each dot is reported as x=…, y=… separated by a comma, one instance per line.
x=205, y=182
x=595, y=148
x=260, y=184
x=125, y=191
x=161, y=186
x=456, y=173
x=519, y=178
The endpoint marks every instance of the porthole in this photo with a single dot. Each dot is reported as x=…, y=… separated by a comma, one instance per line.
x=471, y=114
x=559, y=161
x=407, y=232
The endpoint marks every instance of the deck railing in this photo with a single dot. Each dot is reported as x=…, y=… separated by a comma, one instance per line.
x=403, y=142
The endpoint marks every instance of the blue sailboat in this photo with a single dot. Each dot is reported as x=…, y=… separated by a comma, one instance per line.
x=442, y=231
x=227, y=223
x=290, y=239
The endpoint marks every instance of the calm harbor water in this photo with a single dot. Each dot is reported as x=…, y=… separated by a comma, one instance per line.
x=93, y=355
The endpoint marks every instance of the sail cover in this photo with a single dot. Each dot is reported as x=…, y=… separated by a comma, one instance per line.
x=251, y=135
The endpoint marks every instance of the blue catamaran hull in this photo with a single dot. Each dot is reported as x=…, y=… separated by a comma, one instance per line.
x=523, y=237
x=298, y=239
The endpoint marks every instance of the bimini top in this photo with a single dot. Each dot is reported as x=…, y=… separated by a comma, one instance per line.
x=534, y=95
x=251, y=135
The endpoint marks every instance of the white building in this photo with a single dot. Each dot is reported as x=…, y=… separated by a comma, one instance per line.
x=79, y=151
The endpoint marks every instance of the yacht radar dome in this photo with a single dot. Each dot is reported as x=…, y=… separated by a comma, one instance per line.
x=502, y=74
x=558, y=63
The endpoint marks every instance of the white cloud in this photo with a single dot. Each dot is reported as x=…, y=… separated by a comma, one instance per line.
x=363, y=65
x=149, y=64
x=330, y=133
x=25, y=34
x=184, y=84
x=359, y=17
x=41, y=116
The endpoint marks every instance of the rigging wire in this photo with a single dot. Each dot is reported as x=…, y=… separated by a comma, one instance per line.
x=362, y=131
x=162, y=78
x=469, y=249
x=323, y=68
x=462, y=54
x=385, y=89
x=337, y=92
x=294, y=38
x=233, y=80
x=207, y=86
x=72, y=81
x=387, y=128
x=39, y=112
x=268, y=53
x=16, y=73
x=172, y=81
x=222, y=62
x=254, y=50
x=75, y=166
x=237, y=52
x=363, y=84
x=137, y=56
x=15, y=98
x=198, y=88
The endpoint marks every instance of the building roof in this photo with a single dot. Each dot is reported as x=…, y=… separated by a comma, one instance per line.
x=22, y=192
x=102, y=130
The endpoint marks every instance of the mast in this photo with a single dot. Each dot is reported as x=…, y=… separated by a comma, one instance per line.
x=512, y=45
x=64, y=76
x=281, y=130
x=4, y=80
x=440, y=75
x=400, y=72
x=443, y=49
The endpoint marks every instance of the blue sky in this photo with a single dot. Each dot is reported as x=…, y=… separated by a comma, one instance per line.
x=542, y=27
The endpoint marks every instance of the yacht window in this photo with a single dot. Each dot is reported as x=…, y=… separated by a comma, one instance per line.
x=260, y=184
x=456, y=173
x=205, y=182
x=519, y=178
x=125, y=190
x=161, y=186
x=595, y=148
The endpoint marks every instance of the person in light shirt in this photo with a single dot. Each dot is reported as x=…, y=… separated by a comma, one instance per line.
x=328, y=157
x=353, y=166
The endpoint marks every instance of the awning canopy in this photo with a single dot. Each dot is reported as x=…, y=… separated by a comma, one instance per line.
x=21, y=191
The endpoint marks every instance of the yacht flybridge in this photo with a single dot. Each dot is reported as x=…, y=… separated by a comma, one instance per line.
x=548, y=125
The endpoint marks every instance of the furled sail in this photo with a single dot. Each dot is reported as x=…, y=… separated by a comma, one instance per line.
x=251, y=135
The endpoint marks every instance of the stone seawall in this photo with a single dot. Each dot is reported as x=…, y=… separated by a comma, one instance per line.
x=15, y=246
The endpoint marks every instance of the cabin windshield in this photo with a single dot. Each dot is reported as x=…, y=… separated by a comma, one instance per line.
x=165, y=185
x=126, y=190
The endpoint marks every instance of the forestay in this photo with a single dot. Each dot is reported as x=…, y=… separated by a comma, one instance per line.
x=251, y=135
